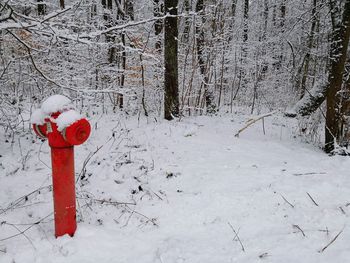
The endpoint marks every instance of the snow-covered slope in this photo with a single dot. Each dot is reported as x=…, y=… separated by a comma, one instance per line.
x=184, y=191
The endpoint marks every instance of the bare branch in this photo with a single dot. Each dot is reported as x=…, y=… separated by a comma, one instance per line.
x=236, y=236
x=254, y=120
x=330, y=243
x=312, y=199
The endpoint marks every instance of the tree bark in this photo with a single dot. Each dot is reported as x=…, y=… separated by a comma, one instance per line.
x=187, y=26
x=310, y=44
x=338, y=58
x=158, y=25
x=245, y=28
x=200, y=40
x=233, y=18
x=171, y=89
x=41, y=8
x=129, y=8
x=62, y=4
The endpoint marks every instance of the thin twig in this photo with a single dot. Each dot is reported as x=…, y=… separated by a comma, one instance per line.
x=236, y=236
x=109, y=202
x=313, y=200
x=29, y=49
x=24, y=198
x=298, y=227
x=342, y=210
x=311, y=173
x=6, y=67
x=22, y=233
x=330, y=243
x=287, y=201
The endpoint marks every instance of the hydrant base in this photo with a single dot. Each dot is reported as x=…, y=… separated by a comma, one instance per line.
x=64, y=190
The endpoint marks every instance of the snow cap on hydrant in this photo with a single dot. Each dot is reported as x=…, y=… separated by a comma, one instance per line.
x=64, y=127
x=58, y=121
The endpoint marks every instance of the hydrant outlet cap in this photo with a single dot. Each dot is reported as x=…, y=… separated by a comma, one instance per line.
x=40, y=130
x=78, y=132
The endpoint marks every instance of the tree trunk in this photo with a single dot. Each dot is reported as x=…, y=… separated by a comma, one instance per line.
x=187, y=26
x=245, y=28
x=158, y=25
x=129, y=8
x=110, y=38
x=200, y=40
x=171, y=89
x=232, y=23
x=338, y=57
x=41, y=8
x=283, y=14
x=62, y=4
x=310, y=44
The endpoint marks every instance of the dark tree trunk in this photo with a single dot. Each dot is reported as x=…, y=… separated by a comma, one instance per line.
x=233, y=16
x=41, y=8
x=200, y=39
x=244, y=47
x=283, y=14
x=245, y=26
x=62, y=4
x=313, y=99
x=171, y=89
x=310, y=44
x=187, y=26
x=129, y=8
x=158, y=25
x=338, y=58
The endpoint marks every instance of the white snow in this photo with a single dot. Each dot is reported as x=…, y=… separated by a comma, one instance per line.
x=38, y=117
x=67, y=118
x=190, y=181
x=56, y=103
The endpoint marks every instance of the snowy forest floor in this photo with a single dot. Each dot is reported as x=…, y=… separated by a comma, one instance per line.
x=174, y=192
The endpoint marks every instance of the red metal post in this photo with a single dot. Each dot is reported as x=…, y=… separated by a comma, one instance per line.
x=61, y=142
x=64, y=190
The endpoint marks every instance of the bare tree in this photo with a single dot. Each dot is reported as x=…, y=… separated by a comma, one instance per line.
x=334, y=118
x=171, y=89
x=158, y=25
x=41, y=8
x=203, y=60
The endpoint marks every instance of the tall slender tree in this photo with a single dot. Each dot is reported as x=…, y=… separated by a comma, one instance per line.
x=171, y=83
x=340, y=42
x=62, y=4
x=202, y=60
x=158, y=25
x=41, y=8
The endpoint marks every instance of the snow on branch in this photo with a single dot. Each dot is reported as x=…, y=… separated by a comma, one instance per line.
x=309, y=103
x=254, y=120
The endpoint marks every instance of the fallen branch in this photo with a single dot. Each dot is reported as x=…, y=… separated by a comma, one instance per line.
x=252, y=121
x=19, y=202
x=236, y=236
x=298, y=227
x=287, y=201
x=342, y=210
x=332, y=241
x=21, y=232
x=311, y=173
x=312, y=199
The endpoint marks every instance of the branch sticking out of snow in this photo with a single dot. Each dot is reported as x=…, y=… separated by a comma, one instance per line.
x=254, y=120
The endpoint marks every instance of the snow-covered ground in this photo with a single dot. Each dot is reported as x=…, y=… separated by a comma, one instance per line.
x=188, y=191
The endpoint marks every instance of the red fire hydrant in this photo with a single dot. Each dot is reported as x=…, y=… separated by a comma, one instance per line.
x=57, y=121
